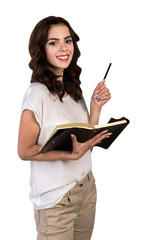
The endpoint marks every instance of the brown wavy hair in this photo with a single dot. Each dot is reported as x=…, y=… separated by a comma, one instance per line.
x=40, y=66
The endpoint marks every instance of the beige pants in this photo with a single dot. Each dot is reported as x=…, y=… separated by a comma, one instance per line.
x=73, y=217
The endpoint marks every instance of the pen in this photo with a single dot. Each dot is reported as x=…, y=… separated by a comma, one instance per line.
x=97, y=92
x=107, y=71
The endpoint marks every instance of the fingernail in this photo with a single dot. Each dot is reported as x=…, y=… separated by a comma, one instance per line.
x=96, y=95
x=105, y=131
x=110, y=134
x=72, y=135
x=96, y=98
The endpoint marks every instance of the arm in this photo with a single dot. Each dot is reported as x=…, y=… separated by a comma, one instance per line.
x=27, y=142
x=100, y=96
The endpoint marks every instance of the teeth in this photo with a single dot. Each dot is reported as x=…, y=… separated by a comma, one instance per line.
x=65, y=57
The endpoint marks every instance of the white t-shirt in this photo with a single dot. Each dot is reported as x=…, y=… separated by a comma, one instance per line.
x=50, y=180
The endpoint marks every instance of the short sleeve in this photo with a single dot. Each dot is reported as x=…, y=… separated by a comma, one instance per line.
x=33, y=100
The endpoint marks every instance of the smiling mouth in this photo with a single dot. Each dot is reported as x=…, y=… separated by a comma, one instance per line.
x=63, y=58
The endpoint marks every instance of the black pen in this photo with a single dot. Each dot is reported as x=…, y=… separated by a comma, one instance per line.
x=95, y=95
x=107, y=71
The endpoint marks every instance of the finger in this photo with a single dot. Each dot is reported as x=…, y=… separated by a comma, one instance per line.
x=96, y=94
x=100, y=84
x=100, y=90
x=74, y=138
x=74, y=142
x=105, y=96
x=100, y=87
x=98, y=140
x=99, y=135
x=104, y=89
x=104, y=93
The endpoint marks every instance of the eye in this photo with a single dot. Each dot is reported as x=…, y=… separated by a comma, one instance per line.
x=68, y=41
x=52, y=43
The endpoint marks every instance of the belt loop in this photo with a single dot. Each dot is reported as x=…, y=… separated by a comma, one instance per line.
x=68, y=195
x=89, y=177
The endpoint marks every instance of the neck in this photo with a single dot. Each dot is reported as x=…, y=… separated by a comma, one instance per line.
x=60, y=78
x=58, y=72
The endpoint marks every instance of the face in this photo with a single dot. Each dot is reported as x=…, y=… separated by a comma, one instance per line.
x=59, y=48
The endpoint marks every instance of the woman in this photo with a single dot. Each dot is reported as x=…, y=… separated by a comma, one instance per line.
x=63, y=189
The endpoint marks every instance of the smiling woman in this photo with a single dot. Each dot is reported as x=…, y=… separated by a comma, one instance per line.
x=63, y=190
x=49, y=45
x=59, y=48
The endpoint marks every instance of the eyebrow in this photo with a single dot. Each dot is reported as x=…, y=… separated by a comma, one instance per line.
x=57, y=39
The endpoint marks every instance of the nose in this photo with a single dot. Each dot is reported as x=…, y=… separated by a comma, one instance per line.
x=63, y=47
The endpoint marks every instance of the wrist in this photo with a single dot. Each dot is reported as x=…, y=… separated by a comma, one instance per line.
x=95, y=111
x=94, y=116
x=95, y=108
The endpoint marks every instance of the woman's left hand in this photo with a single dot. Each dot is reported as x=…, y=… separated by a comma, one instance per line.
x=100, y=96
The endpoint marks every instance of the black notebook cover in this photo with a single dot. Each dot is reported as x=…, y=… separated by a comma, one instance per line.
x=62, y=138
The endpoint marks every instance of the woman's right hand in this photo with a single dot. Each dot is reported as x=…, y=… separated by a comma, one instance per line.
x=79, y=149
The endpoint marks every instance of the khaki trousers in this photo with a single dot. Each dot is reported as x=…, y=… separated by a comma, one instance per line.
x=73, y=217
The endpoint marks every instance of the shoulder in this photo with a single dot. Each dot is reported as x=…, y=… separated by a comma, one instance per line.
x=36, y=91
x=37, y=88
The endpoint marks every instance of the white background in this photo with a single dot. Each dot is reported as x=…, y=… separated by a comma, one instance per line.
x=110, y=31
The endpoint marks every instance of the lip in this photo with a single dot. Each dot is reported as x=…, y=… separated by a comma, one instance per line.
x=63, y=58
